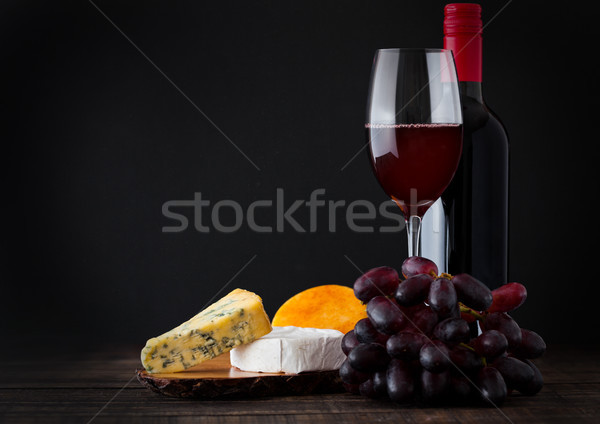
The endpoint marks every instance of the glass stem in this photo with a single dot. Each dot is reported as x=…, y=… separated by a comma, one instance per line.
x=413, y=229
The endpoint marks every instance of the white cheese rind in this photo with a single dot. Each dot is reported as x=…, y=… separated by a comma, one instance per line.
x=291, y=350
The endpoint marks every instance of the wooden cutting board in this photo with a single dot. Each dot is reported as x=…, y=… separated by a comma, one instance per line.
x=217, y=378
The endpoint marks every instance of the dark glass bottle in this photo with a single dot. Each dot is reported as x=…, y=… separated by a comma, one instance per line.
x=476, y=202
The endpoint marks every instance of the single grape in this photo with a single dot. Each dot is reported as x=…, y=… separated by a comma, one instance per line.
x=380, y=382
x=532, y=345
x=417, y=265
x=367, y=333
x=536, y=383
x=492, y=387
x=490, y=344
x=405, y=345
x=385, y=314
x=400, y=381
x=465, y=359
x=434, y=386
x=442, y=298
x=350, y=375
x=381, y=281
x=515, y=372
x=368, y=357
x=349, y=342
x=508, y=297
x=504, y=323
x=452, y=330
x=421, y=319
x=472, y=292
x=434, y=356
x=413, y=290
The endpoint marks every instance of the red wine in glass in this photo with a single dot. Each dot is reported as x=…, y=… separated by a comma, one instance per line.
x=414, y=129
x=414, y=162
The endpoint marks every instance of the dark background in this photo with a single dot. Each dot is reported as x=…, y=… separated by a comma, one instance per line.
x=95, y=139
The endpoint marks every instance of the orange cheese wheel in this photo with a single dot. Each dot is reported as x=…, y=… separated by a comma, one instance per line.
x=328, y=306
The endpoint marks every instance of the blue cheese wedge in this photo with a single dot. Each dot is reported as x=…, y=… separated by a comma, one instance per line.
x=234, y=320
x=291, y=350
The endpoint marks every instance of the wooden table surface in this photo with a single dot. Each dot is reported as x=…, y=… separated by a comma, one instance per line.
x=101, y=388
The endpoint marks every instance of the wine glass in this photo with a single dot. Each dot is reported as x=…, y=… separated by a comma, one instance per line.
x=414, y=129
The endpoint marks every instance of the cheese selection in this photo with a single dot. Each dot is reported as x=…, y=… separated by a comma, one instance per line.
x=234, y=320
x=291, y=349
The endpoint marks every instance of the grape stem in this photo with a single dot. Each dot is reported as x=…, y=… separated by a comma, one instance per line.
x=467, y=346
x=466, y=309
x=483, y=360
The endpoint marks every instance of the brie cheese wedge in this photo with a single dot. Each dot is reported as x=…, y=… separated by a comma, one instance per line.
x=291, y=350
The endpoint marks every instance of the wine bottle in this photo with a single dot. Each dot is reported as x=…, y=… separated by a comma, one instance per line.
x=476, y=201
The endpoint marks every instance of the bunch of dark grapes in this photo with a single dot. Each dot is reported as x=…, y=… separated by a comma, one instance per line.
x=417, y=344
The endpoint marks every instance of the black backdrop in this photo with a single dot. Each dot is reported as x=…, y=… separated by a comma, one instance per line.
x=97, y=134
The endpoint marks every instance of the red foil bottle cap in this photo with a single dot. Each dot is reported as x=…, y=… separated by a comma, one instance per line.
x=462, y=18
x=462, y=35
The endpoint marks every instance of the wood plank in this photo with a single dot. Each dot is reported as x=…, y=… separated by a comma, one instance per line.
x=76, y=390
x=114, y=366
x=553, y=404
x=111, y=366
